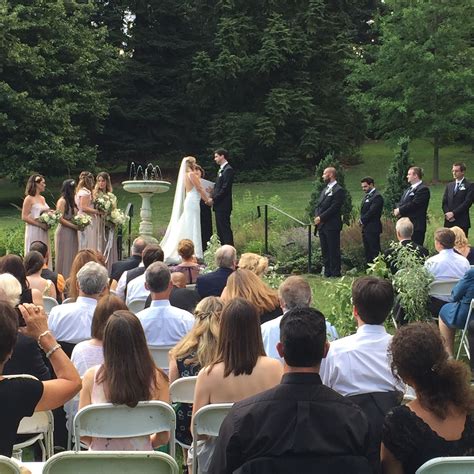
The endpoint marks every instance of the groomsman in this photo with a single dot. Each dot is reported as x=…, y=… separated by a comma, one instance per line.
x=328, y=221
x=222, y=197
x=370, y=214
x=414, y=204
x=457, y=200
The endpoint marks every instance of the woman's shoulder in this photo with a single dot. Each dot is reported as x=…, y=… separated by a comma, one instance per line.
x=269, y=363
x=83, y=192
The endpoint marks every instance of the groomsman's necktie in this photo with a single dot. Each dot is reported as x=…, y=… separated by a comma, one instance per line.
x=407, y=192
x=456, y=188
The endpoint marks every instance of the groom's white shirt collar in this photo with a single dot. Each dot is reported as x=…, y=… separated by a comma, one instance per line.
x=223, y=164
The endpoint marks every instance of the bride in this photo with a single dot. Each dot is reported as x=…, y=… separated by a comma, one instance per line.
x=185, y=221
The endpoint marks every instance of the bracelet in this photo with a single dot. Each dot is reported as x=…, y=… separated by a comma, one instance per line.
x=42, y=335
x=52, y=351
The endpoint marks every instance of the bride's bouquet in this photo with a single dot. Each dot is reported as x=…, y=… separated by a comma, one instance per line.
x=81, y=220
x=118, y=217
x=105, y=202
x=50, y=218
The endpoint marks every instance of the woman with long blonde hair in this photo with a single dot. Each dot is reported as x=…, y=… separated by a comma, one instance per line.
x=461, y=244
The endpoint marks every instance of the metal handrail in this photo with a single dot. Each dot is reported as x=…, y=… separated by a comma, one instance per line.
x=308, y=225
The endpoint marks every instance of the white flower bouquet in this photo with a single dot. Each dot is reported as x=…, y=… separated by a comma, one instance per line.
x=81, y=220
x=50, y=218
x=105, y=202
x=118, y=217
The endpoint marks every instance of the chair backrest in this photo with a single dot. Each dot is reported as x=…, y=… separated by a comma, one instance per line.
x=111, y=462
x=68, y=300
x=9, y=466
x=105, y=420
x=49, y=303
x=135, y=306
x=160, y=356
x=442, y=287
x=191, y=286
x=448, y=465
x=182, y=390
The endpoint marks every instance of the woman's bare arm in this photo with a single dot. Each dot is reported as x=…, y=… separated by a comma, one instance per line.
x=61, y=207
x=390, y=464
x=162, y=394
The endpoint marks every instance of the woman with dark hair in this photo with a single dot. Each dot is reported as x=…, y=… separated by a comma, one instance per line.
x=241, y=368
x=13, y=264
x=188, y=266
x=125, y=378
x=65, y=239
x=34, y=263
x=439, y=421
x=87, y=238
x=34, y=205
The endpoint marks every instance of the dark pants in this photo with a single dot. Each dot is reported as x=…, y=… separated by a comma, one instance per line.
x=206, y=224
x=371, y=241
x=331, y=252
x=419, y=237
x=223, y=228
x=452, y=224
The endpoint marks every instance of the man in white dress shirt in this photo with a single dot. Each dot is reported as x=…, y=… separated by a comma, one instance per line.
x=71, y=323
x=164, y=325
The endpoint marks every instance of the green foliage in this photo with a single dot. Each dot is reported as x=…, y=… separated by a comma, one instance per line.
x=209, y=254
x=12, y=240
x=396, y=177
x=54, y=88
x=329, y=161
x=339, y=294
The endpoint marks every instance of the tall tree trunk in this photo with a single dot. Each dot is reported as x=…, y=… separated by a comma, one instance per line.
x=436, y=159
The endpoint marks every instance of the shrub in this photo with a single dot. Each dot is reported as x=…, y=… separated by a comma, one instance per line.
x=12, y=240
x=339, y=294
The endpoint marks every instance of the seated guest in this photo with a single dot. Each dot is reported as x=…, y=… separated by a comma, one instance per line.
x=254, y=262
x=294, y=292
x=22, y=396
x=453, y=316
x=164, y=325
x=447, y=265
x=188, y=266
x=299, y=418
x=131, y=262
x=34, y=263
x=404, y=231
x=357, y=366
x=46, y=273
x=126, y=377
x=135, y=278
x=13, y=264
x=197, y=349
x=182, y=297
x=439, y=421
x=247, y=285
x=71, y=323
x=240, y=369
x=27, y=357
x=461, y=245
x=212, y=284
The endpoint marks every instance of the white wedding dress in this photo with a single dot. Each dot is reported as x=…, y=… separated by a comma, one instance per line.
x=185, y=221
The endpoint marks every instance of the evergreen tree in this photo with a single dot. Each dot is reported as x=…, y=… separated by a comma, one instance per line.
x=319, y=185
x=397, y=176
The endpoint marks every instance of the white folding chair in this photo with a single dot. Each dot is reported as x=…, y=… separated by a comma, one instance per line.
x=207, y=421
x=160, y=356
x=442, y=288
x=463, y=341
x=9, y=466
x=111, y=462
x=448, y=465
x=135, y=306
x=105, y=420
x=191, y=286
x=49, y=303
x=68, y=300
x=182, y=391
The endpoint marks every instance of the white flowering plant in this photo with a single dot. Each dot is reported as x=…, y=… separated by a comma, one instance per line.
x=105, y=202
x=118, y=217
x=81, y=220
x=50, y=218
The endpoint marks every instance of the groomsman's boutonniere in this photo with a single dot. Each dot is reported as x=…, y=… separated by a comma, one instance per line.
x=219, y=173
x=462, y=187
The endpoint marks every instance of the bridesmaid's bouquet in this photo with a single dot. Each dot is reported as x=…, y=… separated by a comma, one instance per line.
x=105, y=202
x=81, y=220
x=50, y=218
x=118, y=217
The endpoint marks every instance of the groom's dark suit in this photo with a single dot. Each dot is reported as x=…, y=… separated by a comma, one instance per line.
x=222, y=204
x=328, y=209
x=458, y=201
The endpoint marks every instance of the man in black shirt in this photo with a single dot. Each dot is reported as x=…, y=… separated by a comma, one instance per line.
x=300, y=422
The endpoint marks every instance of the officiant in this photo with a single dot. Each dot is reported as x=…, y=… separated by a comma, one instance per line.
x=206, y=214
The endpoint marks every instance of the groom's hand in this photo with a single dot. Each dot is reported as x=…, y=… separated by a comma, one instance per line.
x=209, y=202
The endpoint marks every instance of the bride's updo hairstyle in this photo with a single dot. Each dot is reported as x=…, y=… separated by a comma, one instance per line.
x=190, y=162
x=86, y=180
x=32, y=184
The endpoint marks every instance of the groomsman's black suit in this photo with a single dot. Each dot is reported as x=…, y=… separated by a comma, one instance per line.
x=458, y=201
x=328, y=209
x=370, y=214
x=222, y=204
x=414, y=204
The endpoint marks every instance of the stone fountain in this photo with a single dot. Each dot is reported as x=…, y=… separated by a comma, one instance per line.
x=151, y=183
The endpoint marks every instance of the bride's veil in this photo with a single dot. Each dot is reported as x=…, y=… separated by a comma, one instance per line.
x=177, y=210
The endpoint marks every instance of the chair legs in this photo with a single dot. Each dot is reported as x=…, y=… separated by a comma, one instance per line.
x=463, y=342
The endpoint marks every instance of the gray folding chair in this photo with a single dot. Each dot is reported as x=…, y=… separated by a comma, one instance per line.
x=464, y=341
x=49, y=303
x=9, y=466
x=448, y=465
x=442, y=288
x=160, y=356
x=182, y=391
x=135, y=306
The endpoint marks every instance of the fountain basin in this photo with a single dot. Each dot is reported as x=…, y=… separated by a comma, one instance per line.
x=146, y=186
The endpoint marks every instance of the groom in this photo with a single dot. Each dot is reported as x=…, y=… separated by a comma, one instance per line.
x=222, y=197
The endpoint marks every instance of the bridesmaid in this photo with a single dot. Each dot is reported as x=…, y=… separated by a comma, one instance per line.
x=66, y=243
x=87, y=239
x=33, y=206
x=107, y=237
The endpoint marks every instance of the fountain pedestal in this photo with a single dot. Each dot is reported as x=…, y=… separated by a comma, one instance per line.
x=146, y=189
